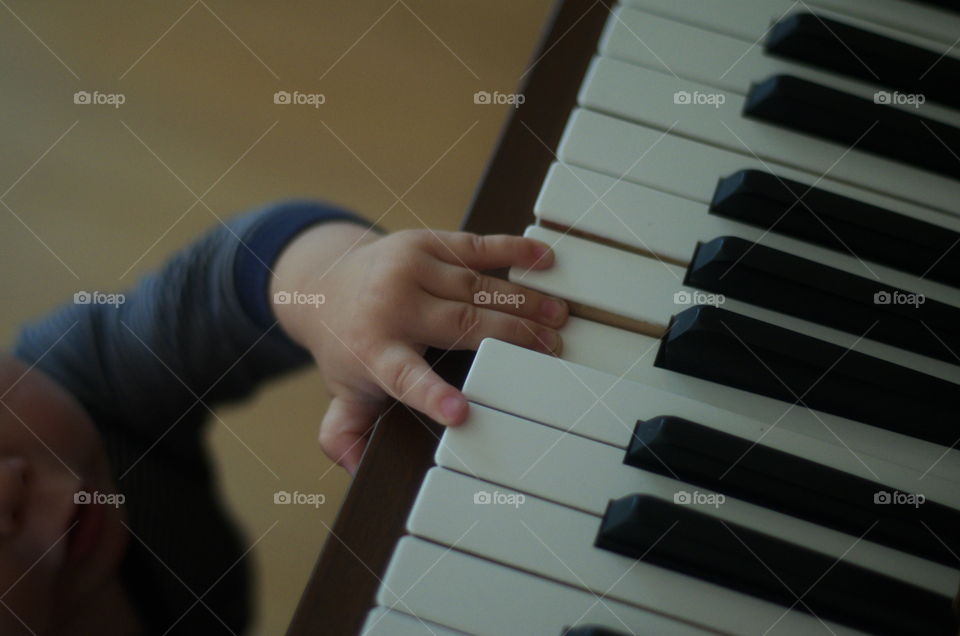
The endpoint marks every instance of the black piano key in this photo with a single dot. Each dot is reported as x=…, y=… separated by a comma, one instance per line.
x=590, y=630
x=824, y=112
x=819, y=293
x=840, y=223
x=724, y=347
x=856, y=52
x=768, y=477
x=682, y=539
x=949, y=5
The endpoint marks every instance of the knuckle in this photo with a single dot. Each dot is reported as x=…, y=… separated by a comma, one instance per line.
x=401, y=265
x=406, y=239
x=426, y=238
x=466, y=317
x=479, y=286
x=345, y=355
x=399, y=378
x=395, y=239
x=393, y=274
x=478, y=244
x=408, y=235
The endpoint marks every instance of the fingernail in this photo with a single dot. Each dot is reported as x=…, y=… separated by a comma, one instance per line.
x=552, y=309
x=541, y=252
x=547, y=340
x=450, y=407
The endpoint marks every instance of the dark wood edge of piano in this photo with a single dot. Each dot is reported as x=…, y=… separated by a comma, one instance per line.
x=346, y=576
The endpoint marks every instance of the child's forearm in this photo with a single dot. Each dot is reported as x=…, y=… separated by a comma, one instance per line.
x=184, y=335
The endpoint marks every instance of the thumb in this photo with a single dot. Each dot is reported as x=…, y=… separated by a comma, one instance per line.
x=344, y=428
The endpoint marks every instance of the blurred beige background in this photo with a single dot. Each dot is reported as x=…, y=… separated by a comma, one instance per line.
x=93, y=196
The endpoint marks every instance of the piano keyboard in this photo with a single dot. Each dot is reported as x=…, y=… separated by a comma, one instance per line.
x=750, y=428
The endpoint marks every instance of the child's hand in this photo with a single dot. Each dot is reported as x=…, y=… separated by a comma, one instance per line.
x=386, y=299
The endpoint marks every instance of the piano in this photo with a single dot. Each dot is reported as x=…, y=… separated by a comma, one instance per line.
x=752, y=427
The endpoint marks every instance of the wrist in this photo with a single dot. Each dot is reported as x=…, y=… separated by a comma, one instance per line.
x=304, y=271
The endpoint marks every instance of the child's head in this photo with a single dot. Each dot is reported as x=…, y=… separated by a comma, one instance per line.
x=49, y=452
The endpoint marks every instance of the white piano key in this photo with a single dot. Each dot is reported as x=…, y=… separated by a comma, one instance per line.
x=557, y=542
x=631, y=355
x=650, y=157
x=724, y=62
x=628, y=286
x=648, y=97
x=603, y=407
x=645, y=289
x=750, y=19
x=689, y=169
x=383, y=622
x=477, y=596
x=541, y=461
x=671, y=226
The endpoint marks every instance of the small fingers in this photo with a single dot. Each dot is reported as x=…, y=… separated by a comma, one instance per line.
x=405, y=375
x=459, y=284
x=344, y=430
x=456, y=325
x=490, y=252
